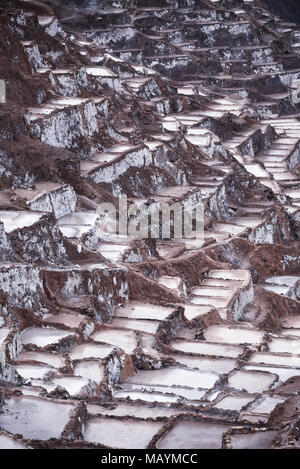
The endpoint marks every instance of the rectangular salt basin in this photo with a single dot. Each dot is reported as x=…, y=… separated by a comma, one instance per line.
x=137, y=325
x=219, y=365
x=69, y=101
x=142, y=411
x=89, y=369
x=170, y=282
x=291, y=322
x=14, y=220
x=7, y=442
x=266, y=405
x=72, y=384
x=283, y=373
x=291, y=332
x=257, y=440
x=35, y=418
x=279, y=289
x=3, y=334
x=41, y=337
x=233, y=402
x=214, y=282
x=251, y=382
x=256, y=170
x=193, y=311
x=29, y=372
x=69, y=231
x=78, y=218
x=69, y=320
x=123, y=434
x=237, y=274
x=288, y=280
x=285, y=346
x=293, y=193
x=207, y=300
x=275, y=359
x=193, y=435
x=90, y=351
x=52, y=359
x=144, y=396
x=204, y=348
x=211, y=291
x=229, y=228
x=100, y=72
x=189, y=394
x=175, y=377
x=123, y=339
x=199, y=140
x=172, y=126
x=230, y=335
x=113, y=254
x=135, y=310
x=104, y=157
x=247, y=222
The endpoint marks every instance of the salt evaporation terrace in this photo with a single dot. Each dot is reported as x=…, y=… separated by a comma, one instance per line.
x=126, y=342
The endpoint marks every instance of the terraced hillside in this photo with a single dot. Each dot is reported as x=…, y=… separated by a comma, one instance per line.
x=119, y=341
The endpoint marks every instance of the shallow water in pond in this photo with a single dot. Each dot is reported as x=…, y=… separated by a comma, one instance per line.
x=193, y=311
x=35, y=418
x=138, y=325
x=52, y=359
x=256, y=170
x=283, y=373
x=258, y=440
x=14, y=220
x=141, y=411
x=33, y=371
x=193, y=435
x=207, y=300
x=72, y=384
x=175, y=376
x=227, y=274
x=41, y=337
x=144, y=396
x=204, y=348
x=251, y=382
x=99, y=72
x=78, y=218
x=233, y=335
x=144, y=311
x=123, y=339
x=170, y=282
x=285, y=346
x=9, y=443
x=266, y=405
x=3, y=334
x=89, y=369
x=229, y=228
x=279, y=289
x=90, y=351
x=283, y=280
x=124, y=434
x=275, y=359
x=70, y=320
x=211, y=291
x=205, y=364
x=292, y=321
x=233, y=403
